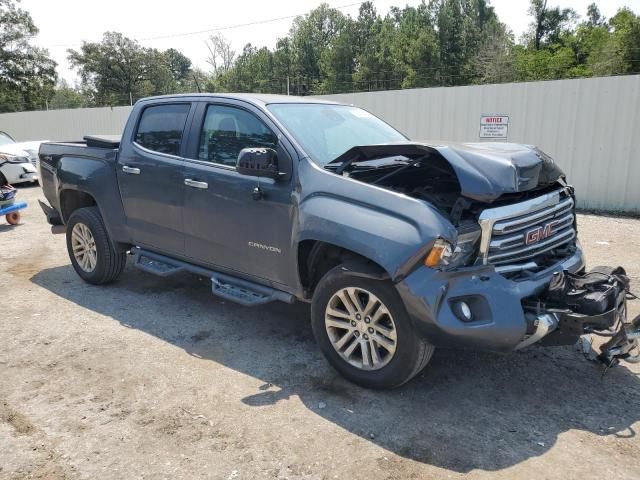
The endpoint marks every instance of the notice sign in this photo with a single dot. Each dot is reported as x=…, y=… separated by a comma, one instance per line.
x=494, y=126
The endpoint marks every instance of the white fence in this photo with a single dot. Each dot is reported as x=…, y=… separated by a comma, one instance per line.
x=68, y=124
x=590, y=126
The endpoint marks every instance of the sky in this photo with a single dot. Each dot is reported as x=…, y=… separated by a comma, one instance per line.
x=66, y=24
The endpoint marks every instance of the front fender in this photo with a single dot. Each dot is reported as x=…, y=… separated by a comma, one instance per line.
x=385, y=237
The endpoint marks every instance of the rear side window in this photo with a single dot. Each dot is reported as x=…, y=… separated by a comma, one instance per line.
x=160, y=128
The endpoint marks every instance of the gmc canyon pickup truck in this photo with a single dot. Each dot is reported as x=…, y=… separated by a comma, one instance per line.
x=400, y=246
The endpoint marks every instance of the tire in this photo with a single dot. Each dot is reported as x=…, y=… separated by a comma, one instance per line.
x=103, y=263
x=13, y=218
x=410, y=352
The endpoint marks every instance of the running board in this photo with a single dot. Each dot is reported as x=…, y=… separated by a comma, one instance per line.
x=162, y=268
x=225, y=286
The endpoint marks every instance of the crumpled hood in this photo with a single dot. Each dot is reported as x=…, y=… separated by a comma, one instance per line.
x=484, y=170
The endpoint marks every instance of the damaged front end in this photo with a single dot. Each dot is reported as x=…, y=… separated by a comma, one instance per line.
x=489, y=287
x=508, y=202
x=592, y=303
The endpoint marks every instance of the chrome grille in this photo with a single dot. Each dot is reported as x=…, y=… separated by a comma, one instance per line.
x=522, y=231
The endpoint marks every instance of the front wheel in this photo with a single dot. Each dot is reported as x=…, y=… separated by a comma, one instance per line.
x=364, y=331
x=90, y=249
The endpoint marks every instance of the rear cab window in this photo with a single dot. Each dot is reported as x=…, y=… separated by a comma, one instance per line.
x=161, y=128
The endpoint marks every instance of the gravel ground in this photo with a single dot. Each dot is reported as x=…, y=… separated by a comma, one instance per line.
x=157, y=378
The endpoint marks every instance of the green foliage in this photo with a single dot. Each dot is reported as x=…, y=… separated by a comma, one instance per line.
x=118, y=70
x=66, y=96
x=593, y=47
x=436, y=43
x=27, y=74
x=326, y=51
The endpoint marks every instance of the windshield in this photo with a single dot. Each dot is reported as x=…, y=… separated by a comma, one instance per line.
x=327, y=131
x=5, y=139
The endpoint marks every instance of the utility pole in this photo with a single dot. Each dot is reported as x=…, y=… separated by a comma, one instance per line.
x=130, y=99
x=287, y=84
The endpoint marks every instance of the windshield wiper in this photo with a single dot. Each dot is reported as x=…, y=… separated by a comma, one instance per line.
x=342, y=166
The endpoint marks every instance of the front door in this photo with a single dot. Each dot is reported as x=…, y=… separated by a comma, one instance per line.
x=150, y=171
x=226, y=224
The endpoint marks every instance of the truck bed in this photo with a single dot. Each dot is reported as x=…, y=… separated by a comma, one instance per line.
x=79, y=157
x=97, y=147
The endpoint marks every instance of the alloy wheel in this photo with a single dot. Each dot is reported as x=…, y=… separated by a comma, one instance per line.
x=84, y=247
x=361, y=328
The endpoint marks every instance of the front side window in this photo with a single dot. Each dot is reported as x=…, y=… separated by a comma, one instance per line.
x=227, y=130
x=161, y=126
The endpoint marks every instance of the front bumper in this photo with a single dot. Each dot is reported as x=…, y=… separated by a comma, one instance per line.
x=28, y=177
x=29, y=174
x=498, y=323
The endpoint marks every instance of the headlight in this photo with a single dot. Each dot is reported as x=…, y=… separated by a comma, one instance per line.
x=33, y=155
x=447, y=255
x=14, y=158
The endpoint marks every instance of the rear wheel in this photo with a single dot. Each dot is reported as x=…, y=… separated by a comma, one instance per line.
x=90, y=249
x=364, y=331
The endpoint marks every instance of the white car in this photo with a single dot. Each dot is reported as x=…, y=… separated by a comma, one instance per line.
x=18, y=161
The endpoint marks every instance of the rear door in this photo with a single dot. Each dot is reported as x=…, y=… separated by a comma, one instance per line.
x=225, y=224
x=150, y=176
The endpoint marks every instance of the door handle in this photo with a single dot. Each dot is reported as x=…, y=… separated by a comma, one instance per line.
x=195, y=184
x=132, y=170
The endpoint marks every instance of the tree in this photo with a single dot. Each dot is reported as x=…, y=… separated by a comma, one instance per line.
x=118, y=70
x=66, y=96
x=623, y=45
x=221, y=57
x=114, y=70
x=494, y=62
x=27, y=74
x=594, y=17
x=311, y=35
x=179, y=65
x=438, y=42
x=549, y=23
x=374, y=63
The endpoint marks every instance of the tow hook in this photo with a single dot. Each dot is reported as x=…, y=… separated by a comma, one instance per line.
x=544, y=324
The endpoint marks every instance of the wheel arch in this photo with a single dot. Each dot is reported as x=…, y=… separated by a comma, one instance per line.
x=315, y=258
x=72, y=199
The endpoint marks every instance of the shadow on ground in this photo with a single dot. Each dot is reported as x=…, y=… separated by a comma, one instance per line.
x=465, y=411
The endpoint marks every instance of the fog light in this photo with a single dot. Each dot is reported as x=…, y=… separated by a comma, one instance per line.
x=463, y=311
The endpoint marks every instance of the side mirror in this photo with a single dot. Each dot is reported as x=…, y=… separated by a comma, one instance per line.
x=258, y=162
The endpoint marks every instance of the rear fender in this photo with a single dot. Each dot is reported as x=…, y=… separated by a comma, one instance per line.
x=94, y=177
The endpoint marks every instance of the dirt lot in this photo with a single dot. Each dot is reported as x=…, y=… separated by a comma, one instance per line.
x=156, y=378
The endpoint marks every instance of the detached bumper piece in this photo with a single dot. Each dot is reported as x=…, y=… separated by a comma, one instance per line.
x=591, y=303
x=53, y=217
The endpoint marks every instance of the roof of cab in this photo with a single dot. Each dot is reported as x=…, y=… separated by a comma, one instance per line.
x=256, y=98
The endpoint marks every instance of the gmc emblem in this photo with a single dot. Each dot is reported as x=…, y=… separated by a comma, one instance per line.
x=537, y=234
